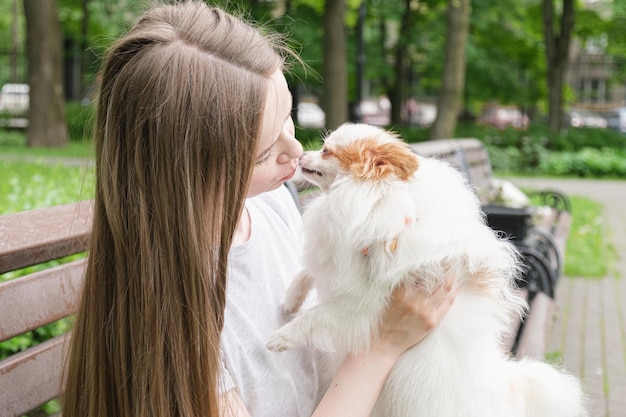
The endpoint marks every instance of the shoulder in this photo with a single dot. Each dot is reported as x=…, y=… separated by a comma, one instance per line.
x=279, y=202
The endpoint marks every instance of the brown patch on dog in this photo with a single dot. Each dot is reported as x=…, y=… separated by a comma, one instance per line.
x=369, y=160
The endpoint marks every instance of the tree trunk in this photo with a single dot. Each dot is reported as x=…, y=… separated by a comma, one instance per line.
x=557, y=56
x=397, y=95
x=453, y=83
x=46, y=114
x=15, y=42
x=335, y=101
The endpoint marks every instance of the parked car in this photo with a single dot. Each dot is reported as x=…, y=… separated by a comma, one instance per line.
x=421, y=114
x=14, y=103
x=14, y=99
x=616, y=119
x=310, y=115
x=503, y=117
x=585, y=118
x=375, y=111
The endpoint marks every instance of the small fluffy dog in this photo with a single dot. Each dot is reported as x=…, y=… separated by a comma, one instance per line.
x=385, y=217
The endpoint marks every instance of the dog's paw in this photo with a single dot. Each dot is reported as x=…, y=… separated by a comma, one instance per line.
x=297, y=293
x=279, y=342
x=293, y=302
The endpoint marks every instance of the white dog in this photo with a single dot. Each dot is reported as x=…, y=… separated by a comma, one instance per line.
x=385, y=217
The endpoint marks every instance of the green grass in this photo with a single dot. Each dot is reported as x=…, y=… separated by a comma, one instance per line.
x=589, y=252
x=13, y=144
x=27, y=186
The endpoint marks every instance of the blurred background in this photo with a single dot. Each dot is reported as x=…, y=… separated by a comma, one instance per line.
x=423, y=67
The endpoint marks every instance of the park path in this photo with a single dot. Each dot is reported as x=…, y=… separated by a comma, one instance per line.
x=589, y=325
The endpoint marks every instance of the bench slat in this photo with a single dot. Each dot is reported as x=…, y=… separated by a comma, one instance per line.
x=533, y=339
x=38, y=299
x=36, y=236
x=31, y=378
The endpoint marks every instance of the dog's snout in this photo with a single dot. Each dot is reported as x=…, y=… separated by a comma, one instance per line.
x=304, y=157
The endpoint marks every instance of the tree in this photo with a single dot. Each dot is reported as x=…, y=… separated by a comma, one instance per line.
x=557, y=40
x=505, y=57
x=401, y=62
x=449, y=98
x=48, y=127
x=335, y=100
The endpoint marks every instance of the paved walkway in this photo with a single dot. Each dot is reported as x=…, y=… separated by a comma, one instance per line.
x=589, y=327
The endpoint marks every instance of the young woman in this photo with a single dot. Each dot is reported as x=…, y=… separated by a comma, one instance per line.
x=195, y=239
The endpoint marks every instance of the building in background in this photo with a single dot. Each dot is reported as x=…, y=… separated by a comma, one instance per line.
x=591, y=73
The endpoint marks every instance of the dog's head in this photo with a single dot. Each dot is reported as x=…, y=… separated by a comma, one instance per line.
x=363, y=152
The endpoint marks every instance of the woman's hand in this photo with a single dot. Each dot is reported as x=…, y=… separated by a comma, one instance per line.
x=412, y=314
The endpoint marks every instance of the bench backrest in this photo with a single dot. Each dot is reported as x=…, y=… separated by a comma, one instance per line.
x=32, y=377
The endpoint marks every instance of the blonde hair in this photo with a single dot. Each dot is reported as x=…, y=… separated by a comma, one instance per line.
x=177, y=124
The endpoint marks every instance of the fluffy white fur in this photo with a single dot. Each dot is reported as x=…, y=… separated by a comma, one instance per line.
x=386, y=217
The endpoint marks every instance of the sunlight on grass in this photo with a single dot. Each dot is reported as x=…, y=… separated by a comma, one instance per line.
x=27, y=186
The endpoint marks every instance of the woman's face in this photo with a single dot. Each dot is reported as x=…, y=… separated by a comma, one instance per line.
x=278, y=150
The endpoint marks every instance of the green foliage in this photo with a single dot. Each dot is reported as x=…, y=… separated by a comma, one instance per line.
x=310, y=138
x=586, y=152
x=26, y=340
x=587, y=163
x=11, y=138
x=510, y=71
x=572, y=140
x=80, y=121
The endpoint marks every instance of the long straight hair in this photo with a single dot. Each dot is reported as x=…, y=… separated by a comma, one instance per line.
x=178, y=119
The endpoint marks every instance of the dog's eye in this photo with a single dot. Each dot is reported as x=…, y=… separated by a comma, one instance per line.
x=324, y=150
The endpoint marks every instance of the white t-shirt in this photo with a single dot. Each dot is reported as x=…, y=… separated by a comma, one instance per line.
x=271, y=384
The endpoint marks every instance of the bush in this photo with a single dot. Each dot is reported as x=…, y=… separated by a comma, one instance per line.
x=12, y=138
x=589, y=163
x=80, y=121
x=568, y=140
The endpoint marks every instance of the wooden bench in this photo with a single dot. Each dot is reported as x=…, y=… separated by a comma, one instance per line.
x=32, y=377
x=539, y=231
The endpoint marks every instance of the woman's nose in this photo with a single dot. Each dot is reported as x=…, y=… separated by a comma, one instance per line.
x=293, y=150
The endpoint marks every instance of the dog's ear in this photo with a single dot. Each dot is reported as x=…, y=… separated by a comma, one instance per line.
x=372, y=161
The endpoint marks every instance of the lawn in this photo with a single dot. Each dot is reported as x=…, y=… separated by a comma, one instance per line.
x=31, y=185
x=588, y=253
